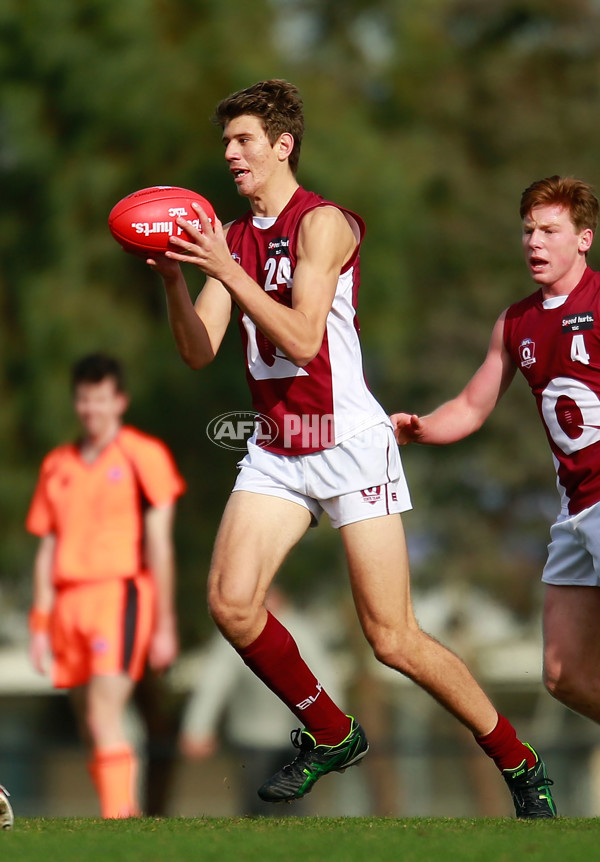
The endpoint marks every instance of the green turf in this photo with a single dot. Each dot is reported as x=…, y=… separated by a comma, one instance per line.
x=357, y=839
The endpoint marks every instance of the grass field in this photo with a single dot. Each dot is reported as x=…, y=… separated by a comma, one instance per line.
x=357, y=839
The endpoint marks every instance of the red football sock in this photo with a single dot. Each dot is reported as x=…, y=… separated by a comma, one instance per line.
x=504, y=748
x=275, y=659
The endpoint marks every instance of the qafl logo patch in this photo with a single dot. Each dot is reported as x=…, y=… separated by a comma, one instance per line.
x=527, y=352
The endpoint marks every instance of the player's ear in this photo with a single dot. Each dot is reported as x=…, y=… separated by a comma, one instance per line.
x=285, y=145
x=586, y=237
x=123, y=402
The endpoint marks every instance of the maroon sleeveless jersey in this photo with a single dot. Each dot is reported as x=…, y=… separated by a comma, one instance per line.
x=326, y=401
x=558, y=352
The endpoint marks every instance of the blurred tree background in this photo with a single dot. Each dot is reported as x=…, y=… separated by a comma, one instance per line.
x=428, y=117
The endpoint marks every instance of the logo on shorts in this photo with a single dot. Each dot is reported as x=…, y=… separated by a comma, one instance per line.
x=232, y=430
x=372, y=495
x=99, y=646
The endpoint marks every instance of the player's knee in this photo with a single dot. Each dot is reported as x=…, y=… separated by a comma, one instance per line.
x=551, y=683
x=102, y=727
x=393, y=649
x=231, y=616
x=561, y=690
x=559, y=683
x=223, y=613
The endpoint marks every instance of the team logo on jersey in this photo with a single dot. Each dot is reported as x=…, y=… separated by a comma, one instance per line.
x=236, y=257
x=579, y=321
x=279, y=246
x=527, y=352
x=372, y=495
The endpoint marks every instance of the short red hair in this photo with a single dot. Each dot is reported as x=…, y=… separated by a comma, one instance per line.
x=574, y=195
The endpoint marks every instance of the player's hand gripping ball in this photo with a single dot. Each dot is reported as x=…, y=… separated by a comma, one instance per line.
x=144, y=221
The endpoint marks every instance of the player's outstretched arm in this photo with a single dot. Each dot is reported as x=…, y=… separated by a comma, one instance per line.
x=466, y=413
x=407, y=427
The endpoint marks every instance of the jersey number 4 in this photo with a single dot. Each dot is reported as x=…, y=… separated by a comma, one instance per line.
x=578, y=351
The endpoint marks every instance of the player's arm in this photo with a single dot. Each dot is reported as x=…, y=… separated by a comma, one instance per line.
x=325, y=243
x=198, y=328
x=43, y=600
x=160, y=557
x=466, y=413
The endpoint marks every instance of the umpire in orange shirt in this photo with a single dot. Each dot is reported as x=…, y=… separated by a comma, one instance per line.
x=103, y=595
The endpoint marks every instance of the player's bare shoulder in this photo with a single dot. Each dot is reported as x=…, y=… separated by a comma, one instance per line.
x=497, y=337
x=327, y=217
x=328, y=227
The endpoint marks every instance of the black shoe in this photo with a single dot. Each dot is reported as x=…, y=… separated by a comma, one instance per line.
x=297, y=778
x=530, y=789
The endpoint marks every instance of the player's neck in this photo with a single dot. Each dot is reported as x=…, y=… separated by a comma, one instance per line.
x=270, y=201
x=93, y=444
x=564, y=286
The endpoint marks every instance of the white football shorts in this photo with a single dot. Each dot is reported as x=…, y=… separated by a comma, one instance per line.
x=574, y=550
x=358, y=479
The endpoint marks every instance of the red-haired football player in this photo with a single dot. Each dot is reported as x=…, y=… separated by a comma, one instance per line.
x=104, y=571
x=553, y=338
x=291, y=268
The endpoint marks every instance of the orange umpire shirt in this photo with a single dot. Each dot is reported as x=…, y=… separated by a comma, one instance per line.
x=96, y=510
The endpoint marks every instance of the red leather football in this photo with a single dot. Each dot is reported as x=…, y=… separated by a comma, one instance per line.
x=143, y=221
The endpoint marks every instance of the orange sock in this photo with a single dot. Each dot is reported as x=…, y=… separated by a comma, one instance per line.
x=114, y=773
